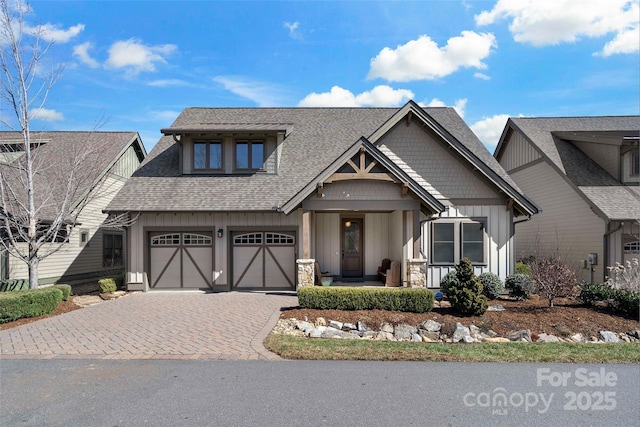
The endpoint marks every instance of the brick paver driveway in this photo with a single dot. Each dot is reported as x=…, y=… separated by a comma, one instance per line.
x=154, y=325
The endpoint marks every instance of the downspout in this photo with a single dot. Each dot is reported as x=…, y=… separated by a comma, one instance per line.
x=605, y=246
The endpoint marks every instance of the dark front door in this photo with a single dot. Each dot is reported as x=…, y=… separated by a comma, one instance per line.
x=352, y=265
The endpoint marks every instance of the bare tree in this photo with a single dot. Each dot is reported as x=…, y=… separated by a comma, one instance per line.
x=43, y=189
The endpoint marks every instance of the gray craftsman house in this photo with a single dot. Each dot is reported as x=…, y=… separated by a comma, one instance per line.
x=242, y=198
x=83, y=170
x=584, y=172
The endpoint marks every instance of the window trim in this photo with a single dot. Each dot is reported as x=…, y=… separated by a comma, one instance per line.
x=84, y=242
x=207, y=143
x=113, y=247
x=458, y=242
x=249, y=143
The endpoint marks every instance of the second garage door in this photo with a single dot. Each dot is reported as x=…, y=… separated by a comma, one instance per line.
x=264, y=260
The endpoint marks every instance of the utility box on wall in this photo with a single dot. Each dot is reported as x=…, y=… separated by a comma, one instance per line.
x=592, y=258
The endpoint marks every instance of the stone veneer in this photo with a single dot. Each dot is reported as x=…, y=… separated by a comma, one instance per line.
x=305, y=272
x=416, y=273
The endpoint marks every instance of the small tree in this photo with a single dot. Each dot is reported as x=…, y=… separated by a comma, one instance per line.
x=465, y=293
x=552, y=278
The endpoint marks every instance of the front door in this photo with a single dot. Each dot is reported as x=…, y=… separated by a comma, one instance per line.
x=352, y=265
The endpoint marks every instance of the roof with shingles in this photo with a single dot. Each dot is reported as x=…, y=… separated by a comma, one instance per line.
x=56, y=154
x=315, y=138
x=607, y=194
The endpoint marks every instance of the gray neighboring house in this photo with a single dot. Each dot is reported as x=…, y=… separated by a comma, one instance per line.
x=232, y=198
x=584, y=172
x=109, y=159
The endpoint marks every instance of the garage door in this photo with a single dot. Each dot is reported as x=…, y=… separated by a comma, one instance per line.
x=263, y=260
x=181, y=260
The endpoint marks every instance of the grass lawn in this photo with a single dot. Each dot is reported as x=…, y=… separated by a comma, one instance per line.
x=289, y=347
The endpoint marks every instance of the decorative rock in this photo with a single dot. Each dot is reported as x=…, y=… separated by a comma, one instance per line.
x=429, y=336
x=576, y=338
x=331, y=333
x=468, y=339
x=404, y=332
x=496, y=339
x=475, y=331
x=495, y=308
x=304, y=325
x=349, y=327
x=548, y=338
x=362, y=327
x=316, y=333
x=386, y=327
x=609, y=336
x=523, y=335
x=385, y=336
x=335, y=324
x=416, y=338
x=625, y=337
x=369, y=335
x=460, y=333
x=492, y=333
x=321, y=321
x=634, y=334
x=430, y=325
x=349, y=335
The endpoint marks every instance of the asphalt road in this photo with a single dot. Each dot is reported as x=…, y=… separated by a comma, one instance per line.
x=315, y=393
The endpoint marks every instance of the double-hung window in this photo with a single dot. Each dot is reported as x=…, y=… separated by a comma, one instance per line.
x=249, y=154
x=452, y=240
x=112, y=250
x=207, y=155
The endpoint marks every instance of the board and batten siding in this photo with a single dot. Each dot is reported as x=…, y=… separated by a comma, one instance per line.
x=205, y=221
x=499, y=246
x=605, y=155
x=73, y=259
x=566, y=223
x=518, y=152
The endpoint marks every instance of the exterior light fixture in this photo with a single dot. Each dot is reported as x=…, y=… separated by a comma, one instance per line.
x=220, y=232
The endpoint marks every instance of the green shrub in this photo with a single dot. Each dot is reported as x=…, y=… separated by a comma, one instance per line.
x=626, y=302
x=465, y=293
x=107, y=285
x=66, y=291
x=522, y=268
x=351, y=298
x=519, y=285
x=14, y=285
x=492, y=286
x=447, y=281
x=591, y=293
x=31, y=303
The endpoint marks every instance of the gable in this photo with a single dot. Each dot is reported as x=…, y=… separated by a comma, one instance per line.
x=427, y=159
x=517, y=152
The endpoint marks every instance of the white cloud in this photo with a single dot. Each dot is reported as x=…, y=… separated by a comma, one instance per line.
x=422, y=59
x=481, y=76
x=169, y=83
x=81, y=51
x=459, y=105
x=136, y=57
x=54, y=34
x=379, y=96
x=165, y=115
x=489, y=129
x=46, y=115
x=293, y=30
x=549, y=22
x=263, y=94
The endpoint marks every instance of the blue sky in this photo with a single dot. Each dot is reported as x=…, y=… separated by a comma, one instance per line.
x=136, y=65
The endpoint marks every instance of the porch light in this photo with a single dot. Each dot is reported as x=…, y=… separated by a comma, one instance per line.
x=220, y=232
x=347, y=224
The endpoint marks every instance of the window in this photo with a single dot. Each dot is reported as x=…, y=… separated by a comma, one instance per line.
x=166, y=240
x=279, y=239
x=84, y=237
x=207, y=155
x=635, y=163
x=248, y=239
x=249, y=155
x=112, y=250
x=453, y=240
x=196, y=240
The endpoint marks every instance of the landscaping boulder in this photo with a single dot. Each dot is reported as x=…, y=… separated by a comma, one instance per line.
x=521, y=336
x=609, y=336
x=431, y=326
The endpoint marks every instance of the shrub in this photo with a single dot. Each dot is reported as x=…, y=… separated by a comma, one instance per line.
x=465, y=293
x=522, y=268
x=591, y=293
x=14, y=285
x=447, y=281
x=349, y=298
x=552, y=278
x=107, y=285
x=66, y=291
x=18, y=304
x=519, y=285
x=625, y=276
x=492, y=286
x=626, y=302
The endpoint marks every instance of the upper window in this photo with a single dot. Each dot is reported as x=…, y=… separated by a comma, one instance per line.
x=250, y=155
x=635, y=163
x=112, y=250
x=207, y=155
x=453, y=240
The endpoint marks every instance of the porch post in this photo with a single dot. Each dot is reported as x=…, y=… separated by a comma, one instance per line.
x=417, y=234
x=416, y=273
x=306, y=234
x=305, y=273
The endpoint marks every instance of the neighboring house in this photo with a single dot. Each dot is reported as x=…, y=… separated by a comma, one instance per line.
x=106, y=160
x=230, y=198
x=584, y=173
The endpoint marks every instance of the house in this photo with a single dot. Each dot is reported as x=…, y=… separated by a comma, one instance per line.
x=245, y=198
x=584, y=172
x=88, y=168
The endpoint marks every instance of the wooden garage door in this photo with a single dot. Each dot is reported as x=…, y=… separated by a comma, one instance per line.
x=181, y=260
x=264, y=260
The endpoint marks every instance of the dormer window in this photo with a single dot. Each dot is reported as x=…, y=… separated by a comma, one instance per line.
x=207, y=155
x=249, y=155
